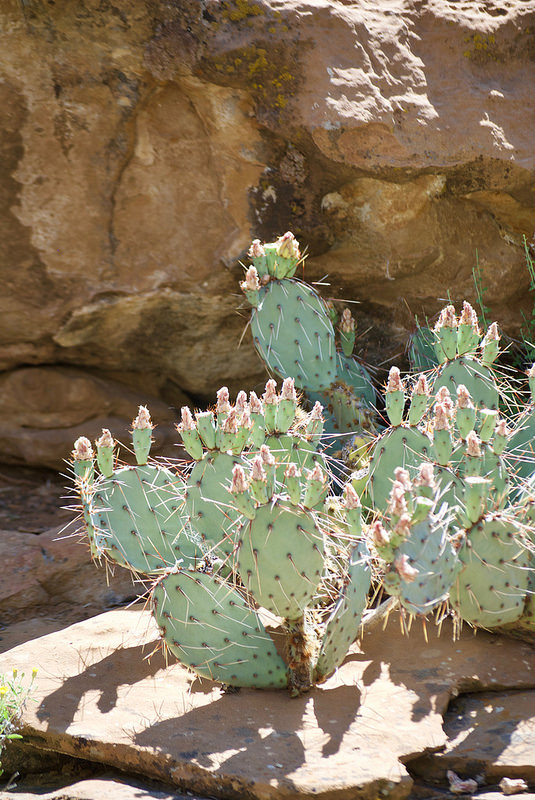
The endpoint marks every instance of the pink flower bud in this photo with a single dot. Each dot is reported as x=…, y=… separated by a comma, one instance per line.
x=463, y=397
x=270, y=394
x=404, y=569
x=379, y=535
x=347, y=323
x=426, y=476
x=317, y=411
x=83, y=450
x=223, y=403
x=106, y=439
x=403, y=526
x=473, y=445
x=402, y=476
x=230, y=423
x=255, y=404
x=187, y=423
x=441, y=421
x=288, y=246
x=267, y=456
x=239, y=484
x=468, y=316
x=443, y=397
x=256, y=249
x=241, y=403
x=316, y=474
x=394, y=381
x=257, y=472
x=502, y=429
x=142, y=421
x=421, y=387
x=397, y=504
x=291, y=471
x=493, y=333
x=447, y=318
x=351, y=498
x=288, y=390
x=251, y=282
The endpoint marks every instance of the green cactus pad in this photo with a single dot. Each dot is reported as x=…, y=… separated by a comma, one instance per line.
x=294, y=335
x=477, y=378
x=491, y=588
x=397, y=447
x=421, y=350
x=520, y=449
x=209, y=503
x=209, y=627
x=343, y=625
x=139, y=512
x=429, y=551
x=280, y=558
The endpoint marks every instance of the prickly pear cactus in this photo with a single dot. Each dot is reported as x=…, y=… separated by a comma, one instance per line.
x=134, y=516
x=298, y=335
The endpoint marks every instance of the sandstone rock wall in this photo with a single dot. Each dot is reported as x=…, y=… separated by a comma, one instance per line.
x=144, y=144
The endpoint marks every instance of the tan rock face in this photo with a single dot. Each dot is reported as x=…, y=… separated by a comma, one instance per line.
x=142, y=151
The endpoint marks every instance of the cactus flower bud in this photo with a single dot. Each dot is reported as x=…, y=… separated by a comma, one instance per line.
x=379, y=535
x=464, y=399
x=397, y=504
x=402, y=476
x=447, y=318
x=230, y=423
x=394, y=380
x=223, y=403
x=256, y=249
x=468, y=316
x=404, y=569
x=502, y=429
x=351, y=498
x=347, y=322
x=493, y=333
x=143, y=420
x=267, y=456
x=426, y=476
x=288, y=246
x=473, y=445
x=83, y=451
x=317, y=411
x=402, y=528
x=257, y=471
x=442, y=418
x=106, y=439
x=239, y=483
x=270, y=394
x=421, y=386
x=241, y=403
x=288, y=390
x=443, y=397
x=251, y=282
x=292, y=471
x=187, y=423
x=255, y=404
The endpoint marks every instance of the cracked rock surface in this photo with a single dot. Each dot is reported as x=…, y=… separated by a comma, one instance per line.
x=100, y=697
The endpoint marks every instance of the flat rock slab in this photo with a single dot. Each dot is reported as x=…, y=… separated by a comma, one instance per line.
x=98, y=789
x=104, y=694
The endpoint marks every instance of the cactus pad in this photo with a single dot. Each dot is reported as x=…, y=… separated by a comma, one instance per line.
x=139, y=512
x=294, y=335
x=281, y=557
x=209, y=627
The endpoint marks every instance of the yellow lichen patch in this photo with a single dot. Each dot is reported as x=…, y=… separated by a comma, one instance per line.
x=238, y=10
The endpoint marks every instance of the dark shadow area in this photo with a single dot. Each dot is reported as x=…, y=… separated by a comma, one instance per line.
x=125, y=666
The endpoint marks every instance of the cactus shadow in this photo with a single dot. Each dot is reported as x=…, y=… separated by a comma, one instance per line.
x=125, y=666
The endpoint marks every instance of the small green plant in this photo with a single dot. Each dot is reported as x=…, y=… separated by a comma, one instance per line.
x=13, y=696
